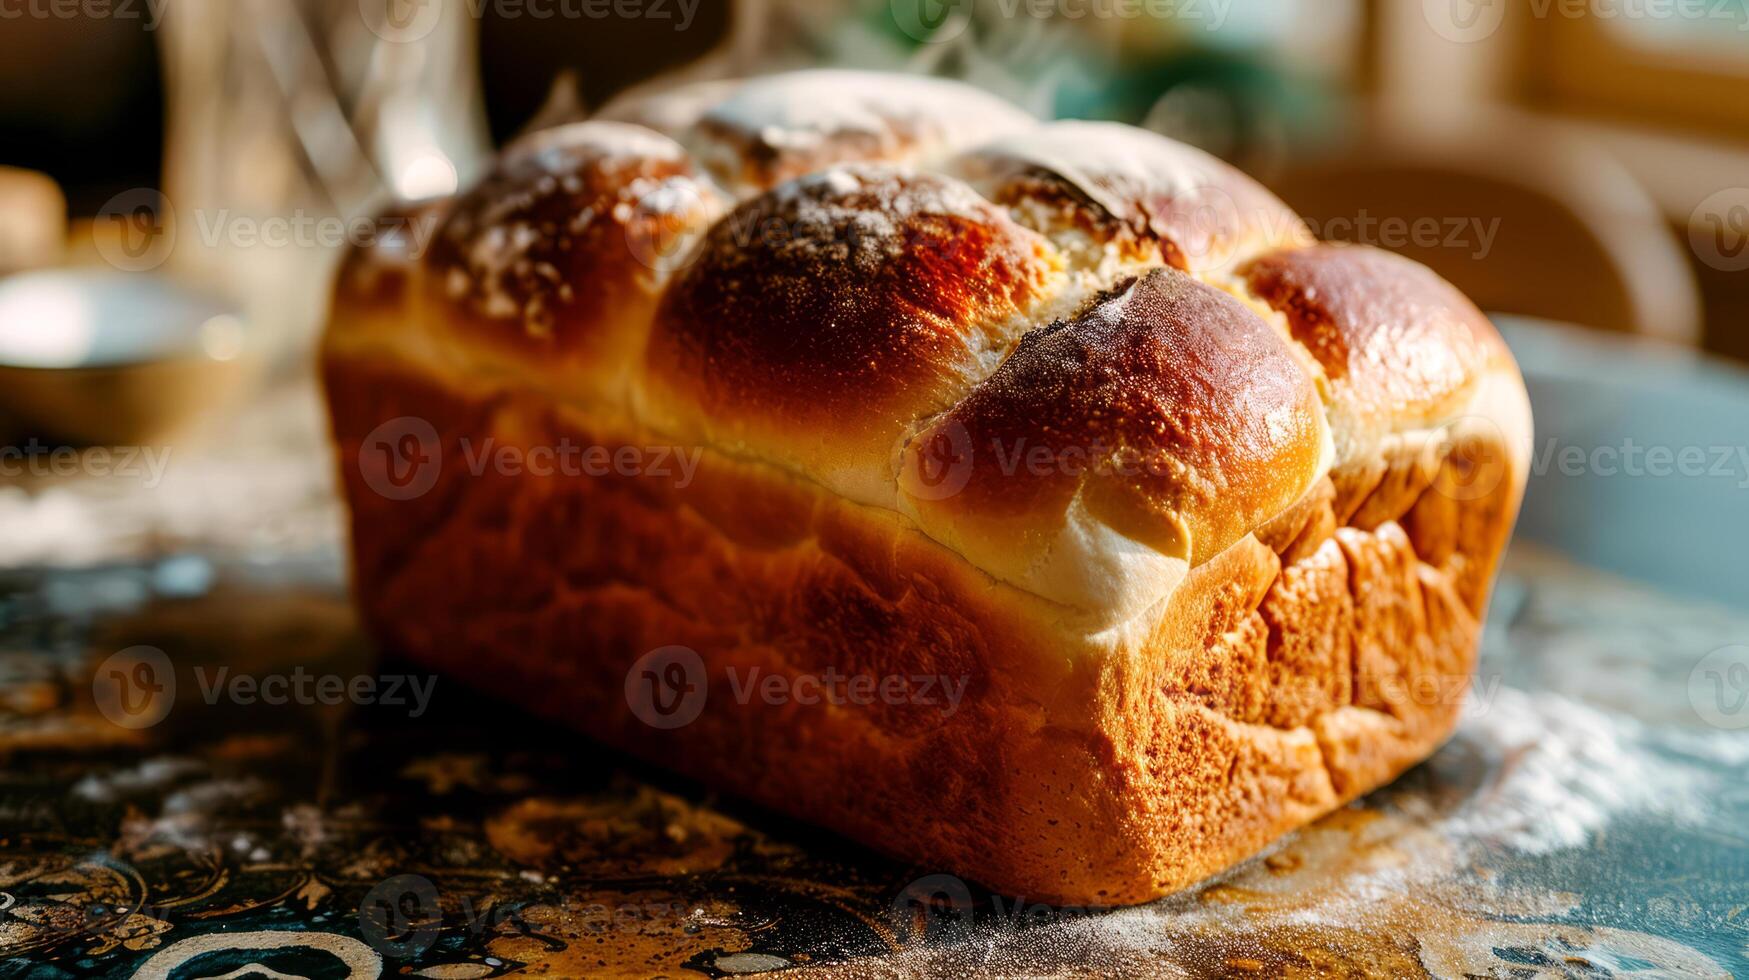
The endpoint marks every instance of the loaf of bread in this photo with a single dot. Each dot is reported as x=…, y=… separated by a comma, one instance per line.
x=1031, y=501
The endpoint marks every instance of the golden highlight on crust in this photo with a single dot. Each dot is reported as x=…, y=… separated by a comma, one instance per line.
x=1397, y=341
x=843, y=302
x=552, y=254
x=1166, y=662
x=1139, y=190
x=1167, y=412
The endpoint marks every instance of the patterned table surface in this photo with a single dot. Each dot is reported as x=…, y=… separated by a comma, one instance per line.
x=1591, y=817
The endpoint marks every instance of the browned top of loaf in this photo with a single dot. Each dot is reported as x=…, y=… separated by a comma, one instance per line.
x=1396, y=340
x=1188, y=209
x=542, y=256
x=843, y=299
x=1171, y=409
x=815, y=270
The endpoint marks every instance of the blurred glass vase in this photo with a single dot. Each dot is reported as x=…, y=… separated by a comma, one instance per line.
x=290, y=121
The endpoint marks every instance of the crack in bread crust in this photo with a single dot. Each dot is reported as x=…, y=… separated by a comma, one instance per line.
x=1128, y=736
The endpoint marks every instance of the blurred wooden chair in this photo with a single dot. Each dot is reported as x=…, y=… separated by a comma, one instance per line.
x=1574, y=237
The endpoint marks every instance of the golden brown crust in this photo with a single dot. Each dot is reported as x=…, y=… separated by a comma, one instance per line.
x=1114, y=767
x=1137, y=189
x=1401, y=350
x=840, y=306
x=1400, y=345
x=1162, y=669
x=1166, y=412
x=551, y=258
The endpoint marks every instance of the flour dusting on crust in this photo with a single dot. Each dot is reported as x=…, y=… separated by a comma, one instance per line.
x=801, y=110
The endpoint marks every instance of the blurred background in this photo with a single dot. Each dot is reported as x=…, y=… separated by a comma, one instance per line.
x=180, y=177
x=1561, y=158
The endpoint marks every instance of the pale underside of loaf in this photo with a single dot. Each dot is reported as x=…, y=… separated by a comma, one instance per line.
x=1165, y=669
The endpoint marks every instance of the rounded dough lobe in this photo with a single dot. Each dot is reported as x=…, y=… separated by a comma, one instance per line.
x=818, y=320
x=1401, y=347
x=555, y=256
x=1111, y=452
x=1148, y=197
